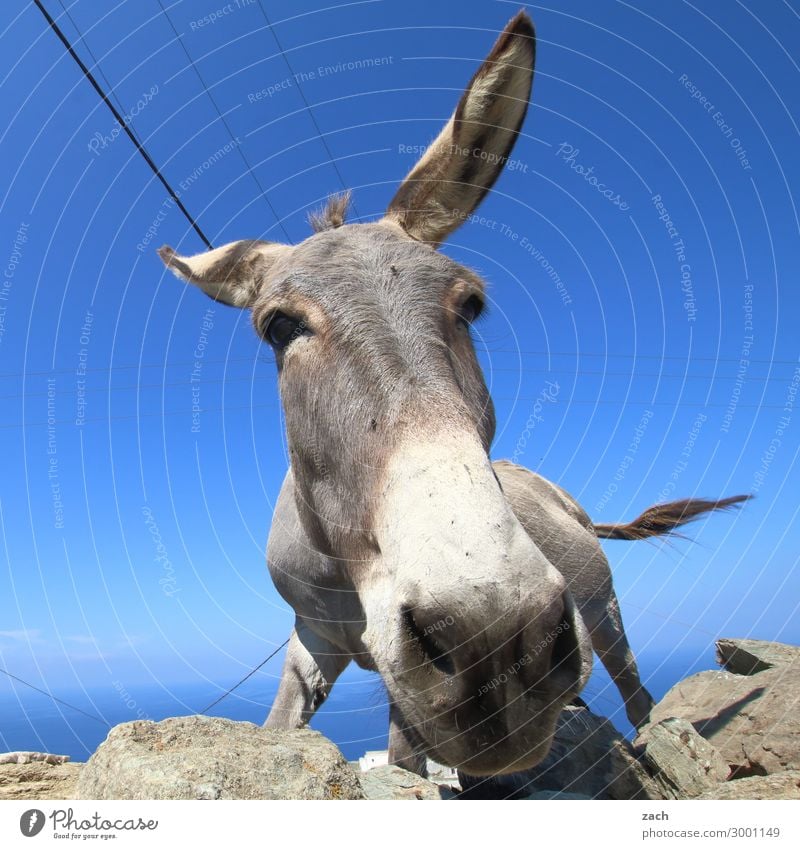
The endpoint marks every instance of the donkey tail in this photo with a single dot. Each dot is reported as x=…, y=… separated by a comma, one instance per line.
x=665, y=518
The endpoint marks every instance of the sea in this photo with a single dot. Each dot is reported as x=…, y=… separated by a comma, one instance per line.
x=355, y=717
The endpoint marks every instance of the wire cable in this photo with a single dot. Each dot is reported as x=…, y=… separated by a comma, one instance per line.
x=307, y=105
x=55, y=698
x=253, y=379
x=278, y=219
x=123, y=124
x=96, y=67
x=249, y=675
x=579, y=354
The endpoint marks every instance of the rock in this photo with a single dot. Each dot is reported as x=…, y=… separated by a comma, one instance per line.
x=589, y=757
x=38, y=780
x=751, y=720
x=781, y=785
x=30, y=757
x=392, y=782
x=746, y=657
x=683, y=763
x=199, y=757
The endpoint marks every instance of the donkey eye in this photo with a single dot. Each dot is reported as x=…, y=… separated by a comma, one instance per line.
x=470, y=310
x=283, y=329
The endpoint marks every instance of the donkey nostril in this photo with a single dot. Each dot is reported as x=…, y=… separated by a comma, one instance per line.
x=565, y=656
x=564, y=646
x=424, y=640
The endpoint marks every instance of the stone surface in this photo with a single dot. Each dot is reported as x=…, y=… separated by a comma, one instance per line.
x=392, y=782
x=198, y=757
x=745, y=723
x=752, y=720
x=589, y=757
x=38, y=780
x=30, y=757
x=781, y=785
x=745, y=657
x=683, y=763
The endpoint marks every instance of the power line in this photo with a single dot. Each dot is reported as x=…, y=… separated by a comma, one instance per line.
x=307, y=105
x=264, y=379
x=635, y=356
x=599, y=402
x=97, y=67
x=225, y=122
x=249, y=675
x=578, y=354
x=123, y=124
x=55, y=698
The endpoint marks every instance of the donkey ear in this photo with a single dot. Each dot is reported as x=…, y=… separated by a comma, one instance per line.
x=462, y=164
x=231, y=274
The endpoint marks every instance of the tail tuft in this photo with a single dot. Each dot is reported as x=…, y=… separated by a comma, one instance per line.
x=664, y=518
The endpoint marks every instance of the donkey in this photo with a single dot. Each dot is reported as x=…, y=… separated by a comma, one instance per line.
x=475, y=589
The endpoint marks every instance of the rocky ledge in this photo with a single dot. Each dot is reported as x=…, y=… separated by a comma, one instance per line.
x=732, y=733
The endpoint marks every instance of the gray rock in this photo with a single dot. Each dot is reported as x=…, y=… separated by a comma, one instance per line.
x=752, y=720
x=30, y=757
x=781, y=785
x=683, y=763
x=199, y=757
x=589, y=757
x=38, y=780
x=745, y=657
x=392, y=782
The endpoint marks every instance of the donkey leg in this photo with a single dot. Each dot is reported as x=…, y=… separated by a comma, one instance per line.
x=611, y=645
x=311, y=668
x=404, y=748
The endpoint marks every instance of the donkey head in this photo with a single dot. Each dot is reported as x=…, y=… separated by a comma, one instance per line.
x=389, y=424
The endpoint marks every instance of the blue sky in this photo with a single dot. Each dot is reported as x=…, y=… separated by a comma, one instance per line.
x=642, y=340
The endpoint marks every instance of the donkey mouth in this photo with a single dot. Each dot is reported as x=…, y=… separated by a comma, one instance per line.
x=492, y=747
x=493, y=720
